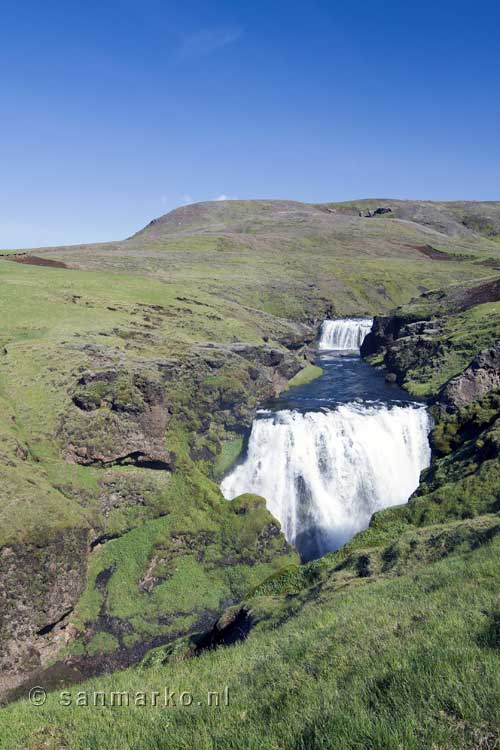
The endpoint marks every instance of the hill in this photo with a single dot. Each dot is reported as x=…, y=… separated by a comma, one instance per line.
x=289, y=258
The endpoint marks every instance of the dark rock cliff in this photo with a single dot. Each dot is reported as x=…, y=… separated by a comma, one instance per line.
x=40, y=584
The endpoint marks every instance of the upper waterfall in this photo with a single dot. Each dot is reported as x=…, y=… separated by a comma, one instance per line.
x=344, y=334
x=325, y=473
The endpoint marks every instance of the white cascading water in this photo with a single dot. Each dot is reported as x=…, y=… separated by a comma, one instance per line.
x=344, y=334
x=324, y=473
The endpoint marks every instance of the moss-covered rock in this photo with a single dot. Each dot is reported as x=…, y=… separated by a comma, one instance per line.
x=40, y=584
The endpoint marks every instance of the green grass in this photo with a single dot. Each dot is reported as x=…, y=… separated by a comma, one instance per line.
x=407, y=662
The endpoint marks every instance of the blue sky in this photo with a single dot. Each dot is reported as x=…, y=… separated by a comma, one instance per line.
x=112, y=113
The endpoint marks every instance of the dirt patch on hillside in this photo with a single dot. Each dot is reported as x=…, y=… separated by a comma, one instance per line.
x=491, y=263
x=433, y=253
x=478, y=295
x=35, y=260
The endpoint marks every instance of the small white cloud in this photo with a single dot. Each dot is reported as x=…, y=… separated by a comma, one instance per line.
x=187, y=199
x=224, y=197
x=205, y=41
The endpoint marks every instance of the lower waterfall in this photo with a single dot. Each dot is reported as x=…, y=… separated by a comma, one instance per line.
x=324, y=473
x=344, y=334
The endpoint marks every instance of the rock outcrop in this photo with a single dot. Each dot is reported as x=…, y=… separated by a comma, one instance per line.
x=417, y=351
x=40, y=583
x=122, y=416
x=478, y=379
x=406, y=345
x=389, y=328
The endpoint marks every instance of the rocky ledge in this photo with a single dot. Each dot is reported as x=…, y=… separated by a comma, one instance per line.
x=444, y=346
x=121, y=414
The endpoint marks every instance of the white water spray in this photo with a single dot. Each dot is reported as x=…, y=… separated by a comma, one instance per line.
x=324, y=474
x=344, y=334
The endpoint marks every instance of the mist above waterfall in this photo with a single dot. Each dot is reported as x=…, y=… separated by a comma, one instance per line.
x=344, y=334
x=324, y=473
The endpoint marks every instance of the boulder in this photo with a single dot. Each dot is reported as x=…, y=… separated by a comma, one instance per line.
x=478, y=379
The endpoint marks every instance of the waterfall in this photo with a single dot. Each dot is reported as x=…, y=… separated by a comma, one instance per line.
x=344, y=334
x=324, y=473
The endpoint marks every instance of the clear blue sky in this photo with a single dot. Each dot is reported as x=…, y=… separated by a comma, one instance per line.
x=114, y=112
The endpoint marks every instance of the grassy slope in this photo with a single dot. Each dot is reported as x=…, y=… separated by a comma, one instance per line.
x=287, y=258
x=454, y=218
x=385, y=663
x=250, y=266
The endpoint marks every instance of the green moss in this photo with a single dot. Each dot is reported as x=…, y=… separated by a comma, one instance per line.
x=163, y=575
x=180, y=649
x=102, y=643
x=444, y=436
x=307, y=375
x=231, y=449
